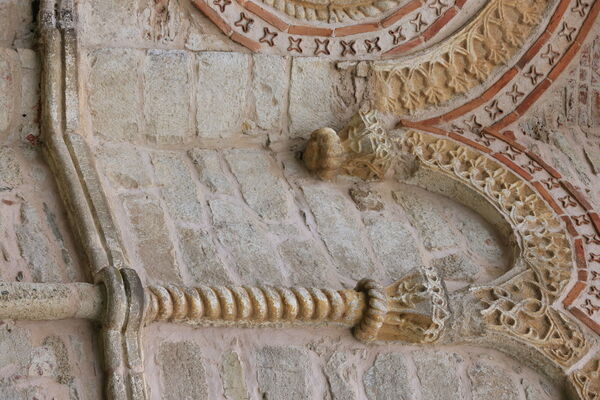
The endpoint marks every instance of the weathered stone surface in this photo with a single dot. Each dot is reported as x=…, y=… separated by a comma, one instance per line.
x=339, y=224
x=177, y=187
x=30, y=92
x=16, y=17
x=481, y=238
x=263, y=189
x=154, y=245
x=247, y=242
x=457, y=267
x=119, y=14
x=269, y=86
x=388, y=379
x=394, y=245
x=15, y=347
x=309, y=265
x=210, y=171
x=429, y=221
x=124, y=166
x=6, y=91
x=35, y=247
x=491, y=382
x=438, y=375
x=167, y=96
x=182, y=371
x=366, y=199
x=221, y=94
x=318, y=96
x=201, y=258
x=282, y=373
x=340, y=374
x=113, y=93
x=232, y=374
x=10, y=170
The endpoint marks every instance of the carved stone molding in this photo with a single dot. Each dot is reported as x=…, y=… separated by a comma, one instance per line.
x=523, y=306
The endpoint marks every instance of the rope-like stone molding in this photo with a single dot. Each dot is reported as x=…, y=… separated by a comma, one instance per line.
x=253, y=305
x=374, y=316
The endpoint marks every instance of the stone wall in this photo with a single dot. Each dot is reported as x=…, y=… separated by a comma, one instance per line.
x=197, y=143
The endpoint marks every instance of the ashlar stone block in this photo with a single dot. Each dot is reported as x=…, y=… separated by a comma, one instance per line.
x=388, y=379
x=247, y=241
x=283, y=373
x=221, y=93
x=154, y=245
x=339, y=225
x=167, y=96
x=269, y=86
x=263, y=189
x=210, y=171
x=114, y=98
x=177, y=186
x=182, y=371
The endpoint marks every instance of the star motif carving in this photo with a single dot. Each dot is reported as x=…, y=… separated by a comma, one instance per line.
x=567, y=32
x=493, y=110
x=438, y=6
x=348, y=47
x=534, y=75
x=590, y=308
x=550, y=55
x=322, y=47
x=515, y=94
x=418, y=22
x=295, y=44
x=222, y=4
x=580, y=7
x=532, y=166
x=595, y=276
x=581, y=220
x=473, y=125
x=372, y=45
x=552, y=183
x=244, y=22
x=268, y=37
x=397, y=35
x=567, y=201
x=511, y=152
x=595, y=258
x=592, y=239
x=594, y=291
x=485, y=139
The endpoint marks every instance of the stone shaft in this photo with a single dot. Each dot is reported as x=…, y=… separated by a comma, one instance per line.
x=50, y=301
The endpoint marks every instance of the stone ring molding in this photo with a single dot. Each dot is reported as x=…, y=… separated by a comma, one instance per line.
x=546, y=309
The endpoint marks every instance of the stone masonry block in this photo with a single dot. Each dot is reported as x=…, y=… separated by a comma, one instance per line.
x=221, y=93
x=114, y=98
x=167, y=96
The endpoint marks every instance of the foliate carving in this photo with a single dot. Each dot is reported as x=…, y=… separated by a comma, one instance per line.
x=463, y=62
x=586, y=381
x=520, y=307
